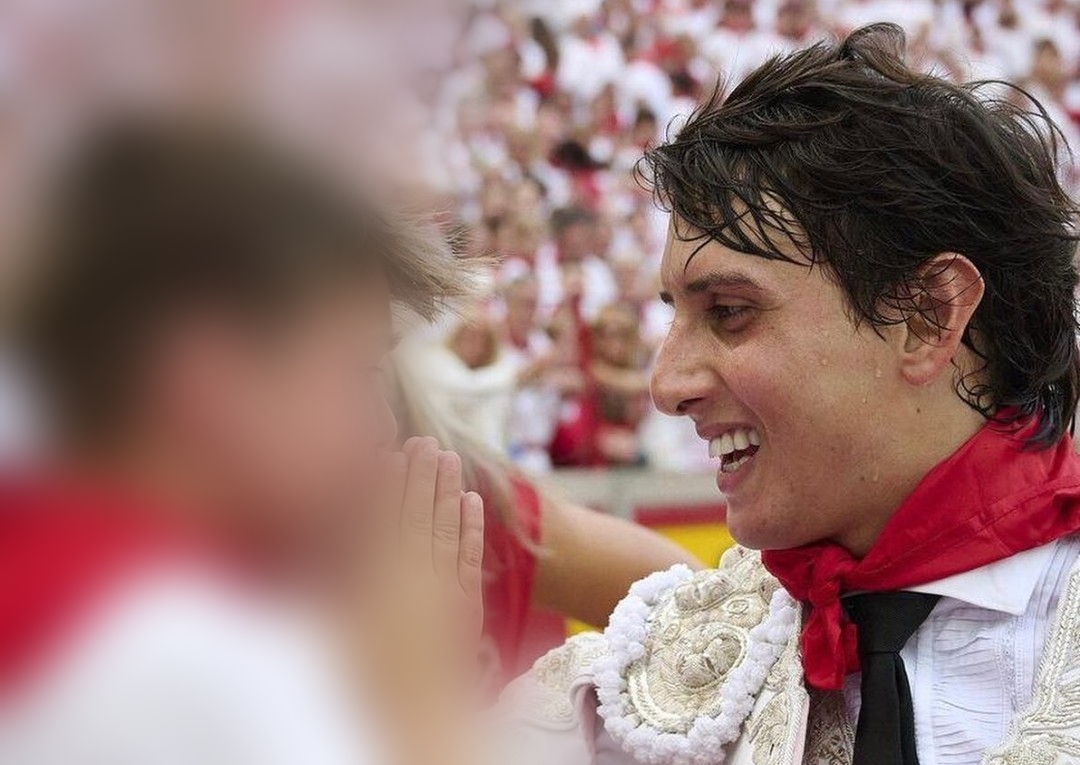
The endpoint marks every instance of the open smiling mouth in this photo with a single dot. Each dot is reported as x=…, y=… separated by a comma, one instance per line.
x=735, y=448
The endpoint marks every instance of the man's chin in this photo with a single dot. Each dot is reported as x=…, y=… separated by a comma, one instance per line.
x=756, y=531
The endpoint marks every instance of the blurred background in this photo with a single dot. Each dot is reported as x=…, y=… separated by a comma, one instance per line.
x=519, y=124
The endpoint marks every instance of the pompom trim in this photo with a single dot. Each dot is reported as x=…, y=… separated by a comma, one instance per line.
x=707, y=738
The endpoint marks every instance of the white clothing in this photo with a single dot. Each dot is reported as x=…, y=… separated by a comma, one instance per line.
x=587, y=66
x=177, y=670
x=534, y=411
x=914, y=16
x=981, y=684
x=599, y=288
x=735, y=55
x=478, y=399
x=643, y=83
x=972, y=663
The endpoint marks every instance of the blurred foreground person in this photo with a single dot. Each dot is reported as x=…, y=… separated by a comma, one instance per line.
x=873, y=283
x=541, y=552
x=208, y=571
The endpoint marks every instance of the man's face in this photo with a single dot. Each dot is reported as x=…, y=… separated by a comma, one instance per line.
x=763, y=357
x=287, y=420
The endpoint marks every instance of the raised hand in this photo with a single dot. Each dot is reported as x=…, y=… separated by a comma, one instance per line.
x=422, y=611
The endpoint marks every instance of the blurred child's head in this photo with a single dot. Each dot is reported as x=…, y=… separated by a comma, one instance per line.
x=574, y=230
x=215, y=311
x=1048, y=67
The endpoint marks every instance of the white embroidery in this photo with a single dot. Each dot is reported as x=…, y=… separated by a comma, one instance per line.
x=1048, y=732
x=688, y=655
x=543, y=694
x=774, y=728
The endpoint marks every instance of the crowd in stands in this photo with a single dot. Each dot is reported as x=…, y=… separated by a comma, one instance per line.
x=527, y=121
x=533, y=148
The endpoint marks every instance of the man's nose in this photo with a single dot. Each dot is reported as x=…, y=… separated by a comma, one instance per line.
x=680, y=378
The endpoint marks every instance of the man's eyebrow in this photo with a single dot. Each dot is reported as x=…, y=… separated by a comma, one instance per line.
x=725, y=279
x=715, y=280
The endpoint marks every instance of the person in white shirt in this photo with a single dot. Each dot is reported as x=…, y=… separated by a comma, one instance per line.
x=589, y=59
x=468, y=375
x=545, y=375
x=572, y=274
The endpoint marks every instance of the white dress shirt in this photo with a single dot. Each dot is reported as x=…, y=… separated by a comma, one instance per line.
x=973, y=662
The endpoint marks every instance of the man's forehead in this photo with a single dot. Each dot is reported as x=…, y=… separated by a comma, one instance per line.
x=686, y=262
x=772, y=228
x=690, y=260
x=676, y=257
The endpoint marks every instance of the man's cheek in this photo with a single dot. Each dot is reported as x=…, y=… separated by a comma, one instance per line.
x=766, y=381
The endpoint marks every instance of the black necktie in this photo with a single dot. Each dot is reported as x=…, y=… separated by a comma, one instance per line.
x=885, y=734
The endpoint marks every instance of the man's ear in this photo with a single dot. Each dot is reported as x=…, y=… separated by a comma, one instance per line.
x=939, y=308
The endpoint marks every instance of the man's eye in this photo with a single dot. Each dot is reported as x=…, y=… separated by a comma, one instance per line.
x=729, y=318
x=721, y=312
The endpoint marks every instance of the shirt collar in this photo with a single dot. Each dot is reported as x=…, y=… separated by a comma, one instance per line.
x=1005, y=585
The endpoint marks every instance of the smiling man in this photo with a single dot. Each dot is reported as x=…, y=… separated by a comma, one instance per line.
x=872, y=281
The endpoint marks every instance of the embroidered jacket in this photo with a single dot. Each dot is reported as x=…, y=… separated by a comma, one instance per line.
x=704, y=669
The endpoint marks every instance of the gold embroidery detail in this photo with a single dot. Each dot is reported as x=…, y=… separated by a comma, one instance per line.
x=695, y=638
x=830, y=739
x=768, y=731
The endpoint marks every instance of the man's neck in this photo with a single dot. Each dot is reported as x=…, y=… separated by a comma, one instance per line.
x=929, y=437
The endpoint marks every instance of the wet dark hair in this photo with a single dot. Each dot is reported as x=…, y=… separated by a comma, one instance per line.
x=872, y=170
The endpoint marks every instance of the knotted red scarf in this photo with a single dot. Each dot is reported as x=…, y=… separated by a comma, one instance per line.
x=991, y=499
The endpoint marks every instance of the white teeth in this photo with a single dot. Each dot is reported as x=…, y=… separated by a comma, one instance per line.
x=736, y=440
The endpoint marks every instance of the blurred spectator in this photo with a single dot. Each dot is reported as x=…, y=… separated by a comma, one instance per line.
x=546, y=375
x=469, y=375
x=621, y=384
x=182, y=571
x=574, y=277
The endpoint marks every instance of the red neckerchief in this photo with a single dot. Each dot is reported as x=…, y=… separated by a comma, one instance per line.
x=988, y=501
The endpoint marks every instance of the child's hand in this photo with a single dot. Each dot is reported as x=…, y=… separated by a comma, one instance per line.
x=422, y=612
